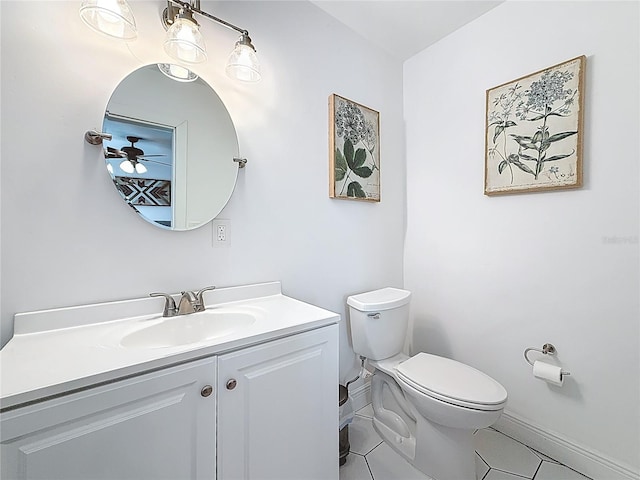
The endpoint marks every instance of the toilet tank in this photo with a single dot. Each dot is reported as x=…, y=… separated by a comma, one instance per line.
x=379, y=321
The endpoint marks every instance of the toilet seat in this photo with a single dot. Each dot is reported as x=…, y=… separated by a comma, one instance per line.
x=452, y=382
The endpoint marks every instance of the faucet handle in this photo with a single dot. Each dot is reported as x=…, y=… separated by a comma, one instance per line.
x=169, y=305
x=199, y=300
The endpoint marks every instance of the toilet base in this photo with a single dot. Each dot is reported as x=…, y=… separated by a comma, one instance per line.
x=405, y=446
x=441, y=453
x=444, y=453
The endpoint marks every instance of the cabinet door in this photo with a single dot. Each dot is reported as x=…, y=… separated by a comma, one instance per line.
x=278, y=409
x=154, y=426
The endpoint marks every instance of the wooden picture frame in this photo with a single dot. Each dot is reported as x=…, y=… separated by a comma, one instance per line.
x=534, y=131
x=354, y=150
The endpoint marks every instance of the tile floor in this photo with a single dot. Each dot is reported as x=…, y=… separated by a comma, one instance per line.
x=498, y=457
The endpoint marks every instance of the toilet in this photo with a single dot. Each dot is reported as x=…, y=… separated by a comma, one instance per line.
x=425, y=407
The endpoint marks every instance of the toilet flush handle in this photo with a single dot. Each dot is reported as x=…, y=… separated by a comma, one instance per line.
x=374, y=316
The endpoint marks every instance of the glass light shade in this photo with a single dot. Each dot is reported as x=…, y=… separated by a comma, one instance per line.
x=109, y=17
x=140, y=168
x=126, y=166
x=243, y=64
x=185, y=42
x=177, y=72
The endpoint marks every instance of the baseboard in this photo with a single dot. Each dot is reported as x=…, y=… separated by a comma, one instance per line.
x=361, y=395
x=578, y=457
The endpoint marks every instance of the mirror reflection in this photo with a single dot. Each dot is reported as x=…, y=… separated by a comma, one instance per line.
x=172, y=147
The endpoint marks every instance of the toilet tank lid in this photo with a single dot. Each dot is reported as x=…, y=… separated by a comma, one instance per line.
x=383, y=299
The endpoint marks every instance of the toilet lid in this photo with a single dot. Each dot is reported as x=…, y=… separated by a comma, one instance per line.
x=452, y=381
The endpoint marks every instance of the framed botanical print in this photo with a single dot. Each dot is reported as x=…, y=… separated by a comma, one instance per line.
x=354, y=150
x=534, y=130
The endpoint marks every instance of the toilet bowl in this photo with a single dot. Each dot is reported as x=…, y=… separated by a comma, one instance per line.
x=426, y=407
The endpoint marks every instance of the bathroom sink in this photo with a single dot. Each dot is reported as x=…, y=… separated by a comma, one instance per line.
x=187, y=329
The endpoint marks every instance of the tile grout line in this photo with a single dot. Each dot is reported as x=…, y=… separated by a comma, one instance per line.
x=374, y=448
x=538, y=469
x=488, y=466
x=511, y=473
x=366, y=460
x=543, y=458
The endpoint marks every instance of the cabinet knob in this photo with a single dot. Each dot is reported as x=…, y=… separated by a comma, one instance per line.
x=206, y=391
x=231, y=384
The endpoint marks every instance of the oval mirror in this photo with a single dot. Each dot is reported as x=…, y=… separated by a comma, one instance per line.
x=171, y=156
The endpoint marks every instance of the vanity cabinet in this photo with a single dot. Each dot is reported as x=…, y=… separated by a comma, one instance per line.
x=268, y=411
x=159, y=425
x=278, y=409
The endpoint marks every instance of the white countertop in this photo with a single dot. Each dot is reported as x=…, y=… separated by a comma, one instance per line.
x=61, y=350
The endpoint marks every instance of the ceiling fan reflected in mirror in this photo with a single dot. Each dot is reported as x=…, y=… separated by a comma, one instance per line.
x=132, y=156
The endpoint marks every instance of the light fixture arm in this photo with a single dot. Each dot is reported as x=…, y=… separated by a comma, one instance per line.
x=184, y=41
x=171, y=11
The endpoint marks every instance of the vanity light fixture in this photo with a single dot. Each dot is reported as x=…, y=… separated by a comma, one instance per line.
x=243, y=63
x=110, y=17
x=184, y=41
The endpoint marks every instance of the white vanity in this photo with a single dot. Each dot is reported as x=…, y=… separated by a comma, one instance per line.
x=116, y=391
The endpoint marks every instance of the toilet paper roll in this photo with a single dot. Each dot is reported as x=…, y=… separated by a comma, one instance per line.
x=548, y=373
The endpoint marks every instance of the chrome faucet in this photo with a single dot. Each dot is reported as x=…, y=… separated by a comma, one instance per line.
x=170, y=309
x=189, y=302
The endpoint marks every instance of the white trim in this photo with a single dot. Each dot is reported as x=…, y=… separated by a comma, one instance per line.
x=581, y=458
x=361, y=396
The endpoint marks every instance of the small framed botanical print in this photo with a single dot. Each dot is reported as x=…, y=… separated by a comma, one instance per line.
x=354, y=150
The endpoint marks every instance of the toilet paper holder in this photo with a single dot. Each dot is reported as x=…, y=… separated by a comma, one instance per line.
x=547, y=349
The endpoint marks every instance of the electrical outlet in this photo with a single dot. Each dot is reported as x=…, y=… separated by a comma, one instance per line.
x=221, y=231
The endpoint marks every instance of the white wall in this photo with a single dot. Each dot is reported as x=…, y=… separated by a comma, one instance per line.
x=493, y=276
x=490, y=276
x=68, y=239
